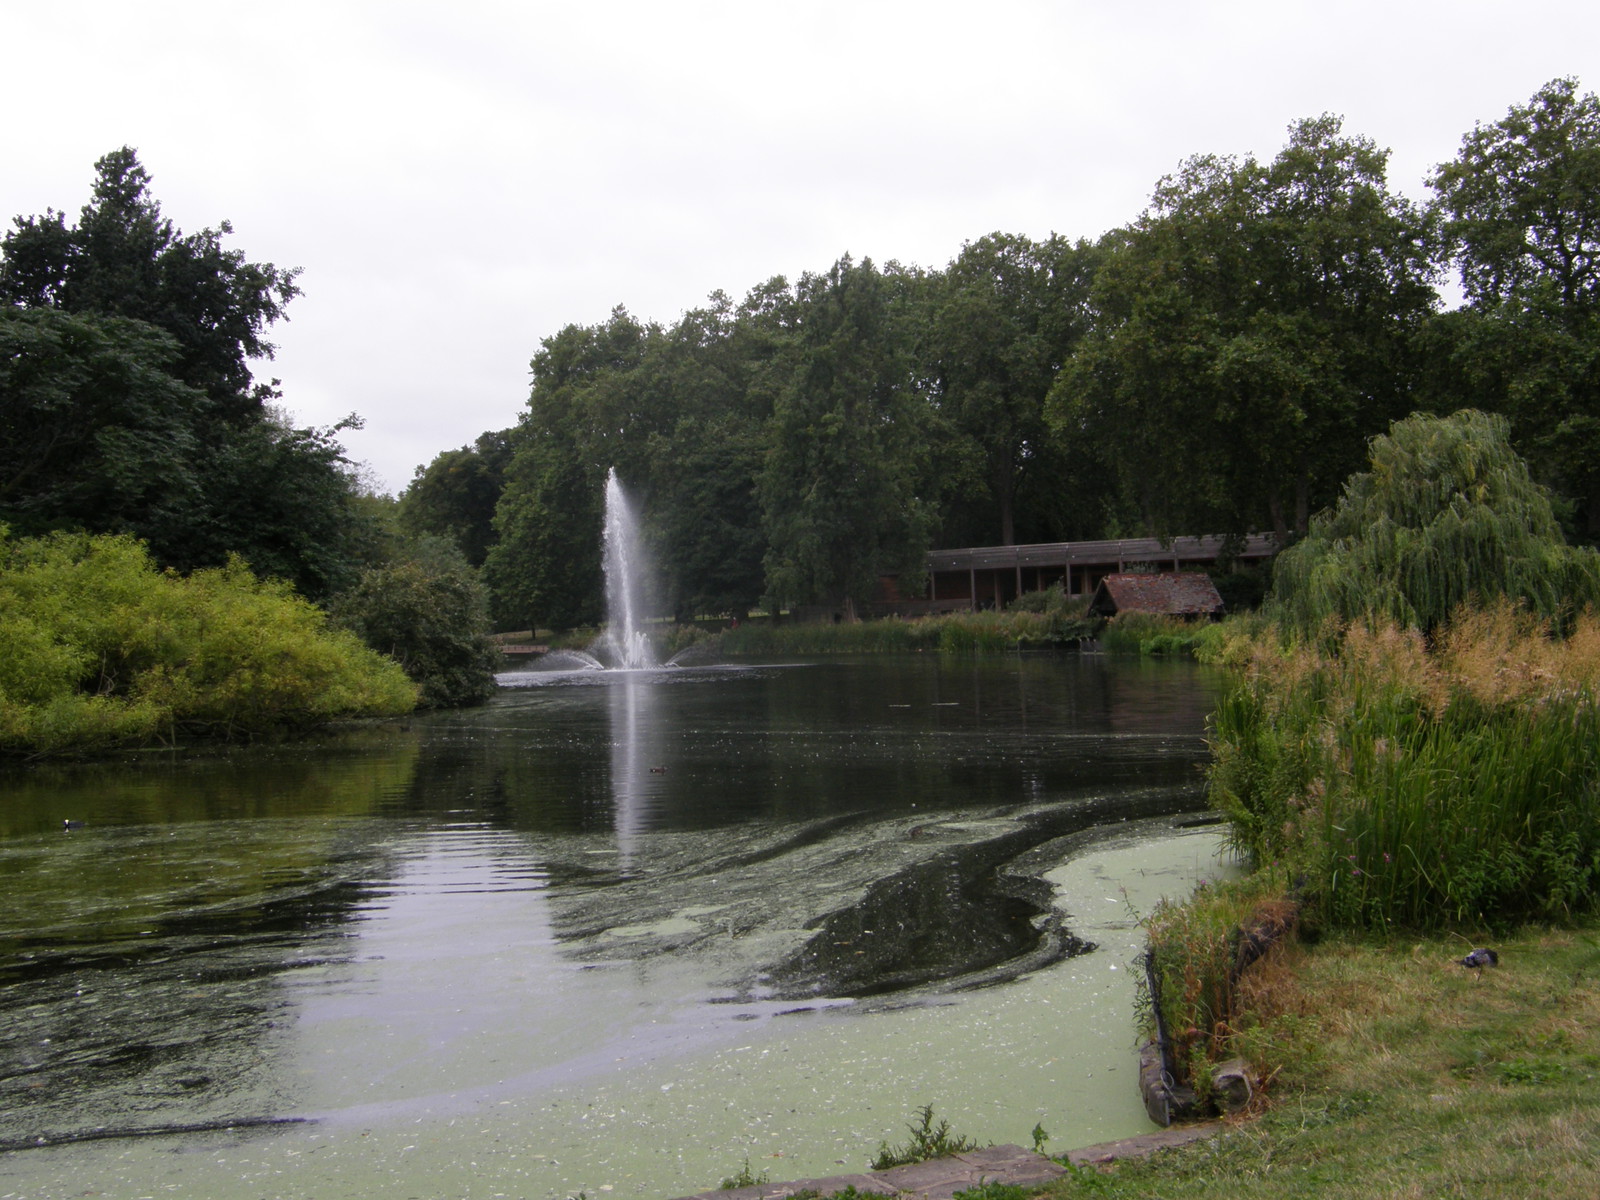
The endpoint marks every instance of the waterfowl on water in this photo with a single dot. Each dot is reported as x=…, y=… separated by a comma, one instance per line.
x=69, y=823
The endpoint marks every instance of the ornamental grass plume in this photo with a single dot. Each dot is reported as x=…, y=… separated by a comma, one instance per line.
x=1423, y=787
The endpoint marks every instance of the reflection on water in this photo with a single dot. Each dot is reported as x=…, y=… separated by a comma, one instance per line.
x=596, y=872
x=635, y=746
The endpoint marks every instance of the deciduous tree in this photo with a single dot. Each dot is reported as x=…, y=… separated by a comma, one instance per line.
x=842, y=493
x=455, y=495
x=126, y=385
x=1252, y=329
x=1004, y=316
x=1522, y=208
x=544, y=568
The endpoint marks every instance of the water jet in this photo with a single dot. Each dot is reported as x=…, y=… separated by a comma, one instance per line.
x=626, y=642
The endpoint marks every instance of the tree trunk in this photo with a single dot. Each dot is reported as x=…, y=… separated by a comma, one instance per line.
x=1005, y=490
x=1280, y=524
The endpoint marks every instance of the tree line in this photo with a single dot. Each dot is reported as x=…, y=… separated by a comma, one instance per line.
x=1218, y=365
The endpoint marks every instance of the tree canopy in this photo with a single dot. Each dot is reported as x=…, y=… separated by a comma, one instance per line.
x=841, y=486
x=1521, y=208
x=1250, y=331
x=127, y=398
x=1218, y=365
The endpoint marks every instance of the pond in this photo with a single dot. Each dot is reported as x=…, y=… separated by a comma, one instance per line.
x=617, y=931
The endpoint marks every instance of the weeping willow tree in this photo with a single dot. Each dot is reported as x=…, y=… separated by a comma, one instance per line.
x=1448, y=513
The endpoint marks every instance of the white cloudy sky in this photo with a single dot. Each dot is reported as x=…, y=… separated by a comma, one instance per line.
x=459, y=181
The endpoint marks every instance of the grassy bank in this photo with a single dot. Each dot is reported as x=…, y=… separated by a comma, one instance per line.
x=956, y=633
x=1400, y=1073
x=1403, y=800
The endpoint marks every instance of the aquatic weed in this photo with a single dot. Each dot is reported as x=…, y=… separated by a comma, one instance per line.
x=927, y=1141
x=744, y=1178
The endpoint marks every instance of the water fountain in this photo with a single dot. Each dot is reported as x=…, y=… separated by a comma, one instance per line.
x=624, y=646
x=625, y=638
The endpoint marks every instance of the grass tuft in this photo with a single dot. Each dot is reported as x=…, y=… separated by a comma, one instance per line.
x=928, y=1140
x=742, y=1178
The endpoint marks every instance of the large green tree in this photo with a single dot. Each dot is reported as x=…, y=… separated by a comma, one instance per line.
x=712, y=380
x=1003, y=318
x=94, y=431
x=123, y=258
x=582, y=420
x=1522, y=208
x=1252, y=329
x=455, y=495
x=843, y=488
x=127, y=391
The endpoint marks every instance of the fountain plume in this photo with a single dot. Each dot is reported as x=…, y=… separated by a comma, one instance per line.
x=625, y=638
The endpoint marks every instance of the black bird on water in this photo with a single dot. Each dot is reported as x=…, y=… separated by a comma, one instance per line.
x=1480, y=958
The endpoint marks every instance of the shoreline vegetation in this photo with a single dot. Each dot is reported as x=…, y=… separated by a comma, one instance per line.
x=1403, y=799
x=104, y=650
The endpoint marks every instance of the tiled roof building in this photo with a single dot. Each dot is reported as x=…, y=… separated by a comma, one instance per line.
x=1174, y=593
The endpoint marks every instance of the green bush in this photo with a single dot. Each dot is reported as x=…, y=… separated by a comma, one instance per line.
x=104, y=649
x=433, y=619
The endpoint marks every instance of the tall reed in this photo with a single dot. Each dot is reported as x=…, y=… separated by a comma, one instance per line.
x=1421, y=785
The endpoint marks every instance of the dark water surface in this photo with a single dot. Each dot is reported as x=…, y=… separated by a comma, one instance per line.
x=597, y=870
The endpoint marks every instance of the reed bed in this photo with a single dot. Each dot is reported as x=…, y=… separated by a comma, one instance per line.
x=1417, y=783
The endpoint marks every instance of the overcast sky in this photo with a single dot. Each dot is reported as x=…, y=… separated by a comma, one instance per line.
x=460, y=181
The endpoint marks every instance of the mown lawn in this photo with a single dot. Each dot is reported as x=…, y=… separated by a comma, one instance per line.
x=1406, y=1075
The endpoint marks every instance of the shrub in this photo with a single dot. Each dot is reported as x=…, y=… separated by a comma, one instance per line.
x=104, y=649
x=433, y=619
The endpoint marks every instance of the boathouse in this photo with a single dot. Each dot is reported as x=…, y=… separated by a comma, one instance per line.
x=993, y=576
x=1169, y=593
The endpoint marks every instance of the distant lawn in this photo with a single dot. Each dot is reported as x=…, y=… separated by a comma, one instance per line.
x=1407, y=1075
